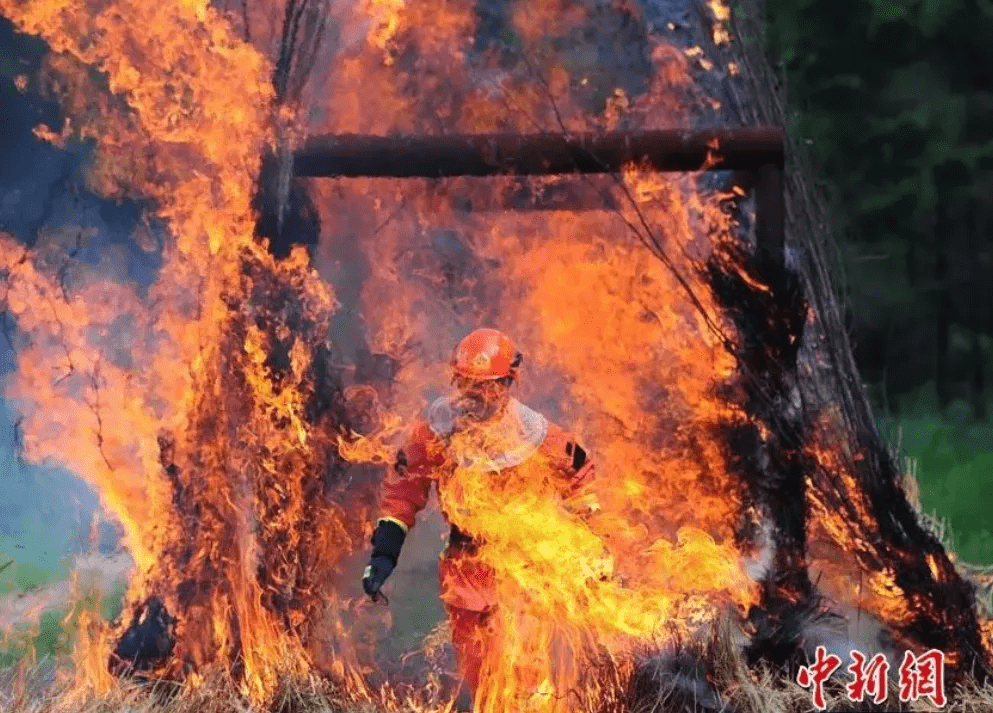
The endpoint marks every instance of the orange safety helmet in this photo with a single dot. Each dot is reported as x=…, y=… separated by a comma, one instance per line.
x=486, y=354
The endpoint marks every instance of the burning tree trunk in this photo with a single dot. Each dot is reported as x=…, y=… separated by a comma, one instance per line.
x=275, y=515
x=286, y=215
x=857, y=488
x=767, y=448
x=295, y=531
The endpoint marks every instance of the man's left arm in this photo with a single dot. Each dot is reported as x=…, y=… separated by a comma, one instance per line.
x=576, y=463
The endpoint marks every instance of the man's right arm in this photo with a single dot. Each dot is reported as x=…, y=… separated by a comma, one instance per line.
x=407, y=485
x=403, y=494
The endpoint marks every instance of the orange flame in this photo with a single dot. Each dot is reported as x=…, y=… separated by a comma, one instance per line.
x=615, y=349
x=108, y=371
x=624, y=344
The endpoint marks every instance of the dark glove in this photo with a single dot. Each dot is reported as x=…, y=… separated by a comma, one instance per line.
x=375, y=575
x=387, y=541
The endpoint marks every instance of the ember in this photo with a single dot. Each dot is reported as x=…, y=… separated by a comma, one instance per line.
x=237, y=416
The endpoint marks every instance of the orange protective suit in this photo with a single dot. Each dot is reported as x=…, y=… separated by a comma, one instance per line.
x=467, y=589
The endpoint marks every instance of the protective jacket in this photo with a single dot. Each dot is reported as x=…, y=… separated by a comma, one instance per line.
x=427, y=457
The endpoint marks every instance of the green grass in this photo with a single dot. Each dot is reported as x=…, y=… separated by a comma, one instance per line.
x=51, y=636
x=45, y=515
x=47, y=639
x=29, y=568
x=955, y=471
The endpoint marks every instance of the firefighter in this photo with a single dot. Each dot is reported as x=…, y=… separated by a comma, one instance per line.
x=485, y=365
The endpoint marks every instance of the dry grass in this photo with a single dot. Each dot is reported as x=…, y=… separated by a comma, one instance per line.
x=37, y=691
x=39, y=688
x=980, y=575
x=744, y=690
x=749, y=690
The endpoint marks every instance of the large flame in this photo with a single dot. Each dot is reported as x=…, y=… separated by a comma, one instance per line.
x=169, y=402
x=206, y=409
x=203, y=448
x=615, y=348
x=200, y=155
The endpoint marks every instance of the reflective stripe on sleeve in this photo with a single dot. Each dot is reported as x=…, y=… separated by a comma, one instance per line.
x=395, y=521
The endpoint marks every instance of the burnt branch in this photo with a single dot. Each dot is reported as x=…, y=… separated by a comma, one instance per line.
x=95, y=408
x=303, y=30
x=65, y=346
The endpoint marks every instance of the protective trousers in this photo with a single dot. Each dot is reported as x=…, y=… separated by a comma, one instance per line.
x=469, y=596
x=471, y=637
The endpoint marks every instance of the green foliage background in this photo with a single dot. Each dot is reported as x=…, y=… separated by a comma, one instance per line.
x=894, y=98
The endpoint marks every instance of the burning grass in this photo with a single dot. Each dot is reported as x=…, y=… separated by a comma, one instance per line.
x=671, y=684
x=704, y=675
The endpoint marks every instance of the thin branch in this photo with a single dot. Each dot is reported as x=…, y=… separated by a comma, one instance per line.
x=64, y=268
x=392, y=215
x=5, y=301
x=65, y=346
x=95, y=408
x=548, y=91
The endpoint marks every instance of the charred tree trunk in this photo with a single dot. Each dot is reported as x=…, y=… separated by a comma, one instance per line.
x=286, y=214
x=766, y=449
x=942, y=606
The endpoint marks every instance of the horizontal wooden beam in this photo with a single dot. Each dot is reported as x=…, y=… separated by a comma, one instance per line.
x=352, y=155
